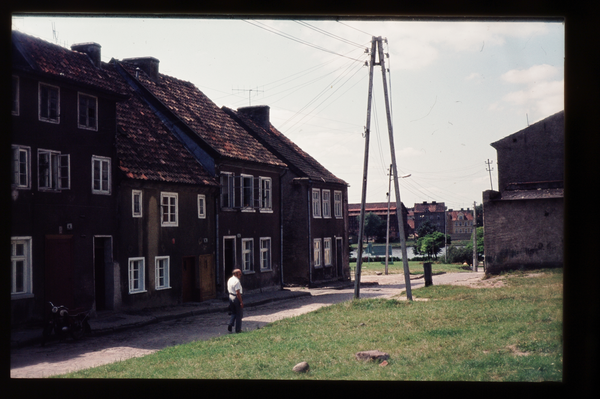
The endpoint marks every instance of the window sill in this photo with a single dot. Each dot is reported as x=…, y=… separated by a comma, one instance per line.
x=266, y=211
x=137, y=292
x=162, y=288
x=21, y=296
x=266, y=270
x=248, y=272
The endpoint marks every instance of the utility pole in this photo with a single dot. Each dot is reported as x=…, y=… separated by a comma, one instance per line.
x=474, y=237
x=387, y=229
x=361, y=224
x=395, y=172
x=489, y=169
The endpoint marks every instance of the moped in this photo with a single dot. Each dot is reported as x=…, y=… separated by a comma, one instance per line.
x=64, y=321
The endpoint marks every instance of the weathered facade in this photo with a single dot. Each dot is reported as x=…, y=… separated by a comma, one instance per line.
x=314, y=209
x=248, y=216
x=523, y=221
x=63, y=205
x=459, y=224
x=434, y=212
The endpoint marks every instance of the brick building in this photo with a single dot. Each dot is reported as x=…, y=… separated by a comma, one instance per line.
x=523, y=221
x=434, y=212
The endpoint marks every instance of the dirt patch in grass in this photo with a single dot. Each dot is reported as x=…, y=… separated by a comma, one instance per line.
x=515, y=351
x=492, y=282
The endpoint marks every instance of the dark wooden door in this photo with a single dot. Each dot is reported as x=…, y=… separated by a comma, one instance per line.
x=188, y=279
x=339, y=256
x=58, y=273
x=206, y=266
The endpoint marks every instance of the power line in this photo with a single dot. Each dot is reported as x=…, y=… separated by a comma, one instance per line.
x=324, y=32
x=362, y=31
x=290, y=37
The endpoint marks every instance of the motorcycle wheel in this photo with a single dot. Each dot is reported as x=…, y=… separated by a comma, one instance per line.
x=46, y=333
x=77, y=331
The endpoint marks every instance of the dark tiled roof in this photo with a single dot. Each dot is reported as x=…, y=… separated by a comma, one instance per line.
x=297, y=160
x=146, y=150
x=37, y=55
x=430, y=207
x=205, y=118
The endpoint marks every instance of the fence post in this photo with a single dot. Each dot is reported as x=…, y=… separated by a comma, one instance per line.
x=427, y=273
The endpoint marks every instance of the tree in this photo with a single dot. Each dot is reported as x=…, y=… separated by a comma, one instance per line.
x=479, y=215
x=374, y=226
x=430, y=245
x=480, y=246
x=425, y=228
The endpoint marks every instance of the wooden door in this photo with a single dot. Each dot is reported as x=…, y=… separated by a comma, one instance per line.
x=206, y=266
x=188, y=279
x=58, y=273
x=339, y=256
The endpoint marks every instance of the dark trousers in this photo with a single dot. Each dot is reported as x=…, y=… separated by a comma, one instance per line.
x=236, y=314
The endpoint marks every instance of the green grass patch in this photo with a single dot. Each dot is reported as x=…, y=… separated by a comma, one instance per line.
x=397, y=267
x=510, y=333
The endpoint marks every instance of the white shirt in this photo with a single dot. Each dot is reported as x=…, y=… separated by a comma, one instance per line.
x=234, y=284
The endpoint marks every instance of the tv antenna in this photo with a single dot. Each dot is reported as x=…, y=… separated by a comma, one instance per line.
x=250, y=93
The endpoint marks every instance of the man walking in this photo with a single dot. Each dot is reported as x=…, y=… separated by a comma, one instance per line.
x=234, y=288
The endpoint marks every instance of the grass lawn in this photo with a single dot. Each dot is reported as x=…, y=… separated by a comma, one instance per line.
x=507, y=333
x=415, y=268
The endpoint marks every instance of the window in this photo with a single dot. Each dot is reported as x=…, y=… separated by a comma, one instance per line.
x=20, y=167
x=49, y=103
x=201, y=206
x=15, y=95
x=162, y=273
x=317, y=252
x=316, y=202
x=337, y=204
x=247, y=254
x=136, y=275
x=136, y=203
x=168, y=202
x=87, y=112
x=20, y=259
x=327, y=251
x=266, y=193
x=326, y=204
x=247, y=191
x=265, y=254
x=227, y=192
x=100, y=175
x=53, y=170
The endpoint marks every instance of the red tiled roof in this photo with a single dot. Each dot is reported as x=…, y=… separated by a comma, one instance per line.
x=64, y=64
x=147, y=150
x=298, y=160
x=468, y=214
x=205, y=118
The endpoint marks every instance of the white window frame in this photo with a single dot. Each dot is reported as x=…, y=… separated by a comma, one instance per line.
x=104, y=182
x=247, y=197
x=56, y=176
x=15, y=95
x=265, y=254
x=162, y=263
x=25, y=257
x=266, y=194
x=227, y=188
x=316, y=203
x=87, y=125
x=139, y=195
x=326, y=194
x=337, y=204
x=41, y=106
x=201, y=206
x=317, y=258
x=327, y=258
x=139, y=265
x=172, y=210
x=21, y=169
x=247, y=255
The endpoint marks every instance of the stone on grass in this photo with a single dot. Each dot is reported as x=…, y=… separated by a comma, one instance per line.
x=372, y=355
x=301, y=367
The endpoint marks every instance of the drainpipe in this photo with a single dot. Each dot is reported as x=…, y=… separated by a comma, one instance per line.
x=310, y=249
x=217, y=252
x=281, y=226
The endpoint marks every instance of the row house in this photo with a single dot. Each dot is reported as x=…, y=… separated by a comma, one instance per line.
x=459, y=224
x=248, y=215
x=314, y=211
x=62, y=190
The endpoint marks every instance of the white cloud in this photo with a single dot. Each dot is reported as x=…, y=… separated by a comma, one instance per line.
x=409, y=152
x=477, y=77
x=534, y=74
x=542, y=99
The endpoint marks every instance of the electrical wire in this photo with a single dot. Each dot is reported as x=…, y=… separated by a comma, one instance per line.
x=324, y=32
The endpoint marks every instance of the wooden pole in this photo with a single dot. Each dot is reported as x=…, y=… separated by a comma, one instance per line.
x=395, y=172
x=361, y=228
x=387, y=230
x=474, y=237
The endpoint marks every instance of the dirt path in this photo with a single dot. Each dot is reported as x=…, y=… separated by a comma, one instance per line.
x=65, y=357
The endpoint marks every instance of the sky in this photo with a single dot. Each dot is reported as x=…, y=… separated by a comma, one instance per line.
x=454, y=87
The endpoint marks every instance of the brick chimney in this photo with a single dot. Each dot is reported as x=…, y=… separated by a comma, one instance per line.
x=258, y=113
x=146, y=64
x=91, y=49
